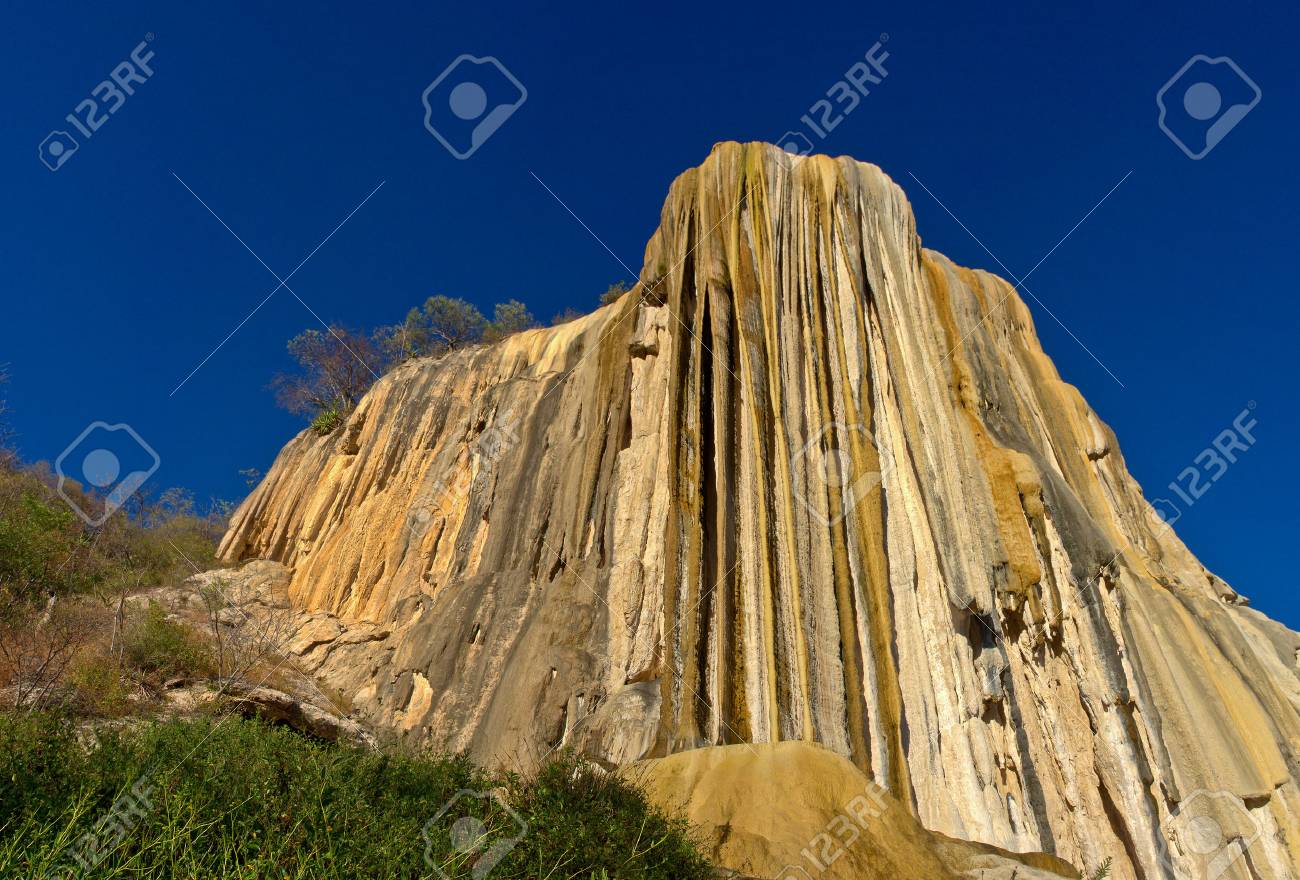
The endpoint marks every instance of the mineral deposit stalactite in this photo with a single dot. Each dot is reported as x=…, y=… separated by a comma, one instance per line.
x=806, y=481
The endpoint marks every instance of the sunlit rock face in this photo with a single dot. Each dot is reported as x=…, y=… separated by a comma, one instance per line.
x=806, y=481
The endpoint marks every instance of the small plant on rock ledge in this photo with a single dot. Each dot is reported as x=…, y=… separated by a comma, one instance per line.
x=328, y=420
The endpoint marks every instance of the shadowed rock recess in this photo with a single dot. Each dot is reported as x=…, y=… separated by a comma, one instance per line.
x=806, y=481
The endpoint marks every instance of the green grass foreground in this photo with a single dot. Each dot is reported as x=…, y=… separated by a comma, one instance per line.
x=240, y=799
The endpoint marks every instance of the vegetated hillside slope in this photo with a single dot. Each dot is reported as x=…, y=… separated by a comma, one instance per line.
x=233, y=799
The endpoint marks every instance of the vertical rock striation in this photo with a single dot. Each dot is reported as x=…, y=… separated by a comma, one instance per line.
x=807, y=481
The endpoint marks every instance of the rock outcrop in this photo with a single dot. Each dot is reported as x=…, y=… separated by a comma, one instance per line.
x=807, y=481
x=794, y=810
x=278, y=707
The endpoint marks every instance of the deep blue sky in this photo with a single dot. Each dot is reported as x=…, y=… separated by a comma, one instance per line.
x=116, y=282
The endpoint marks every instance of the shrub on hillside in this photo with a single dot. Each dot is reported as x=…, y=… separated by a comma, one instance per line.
x=60, y=578
x=39, y=536
x=37, y=647
x=46, y=550
x=163, y=648
x=96, y=687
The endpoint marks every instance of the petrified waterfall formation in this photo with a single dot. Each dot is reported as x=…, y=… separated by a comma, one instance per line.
x=806, y=481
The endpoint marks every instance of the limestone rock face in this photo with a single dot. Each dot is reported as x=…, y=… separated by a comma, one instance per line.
x=806, y=481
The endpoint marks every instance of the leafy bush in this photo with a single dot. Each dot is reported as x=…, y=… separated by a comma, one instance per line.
x=97, y=687
x=613, y=292
x=244, y=799
x=443, y=324
x=40, y=762
x=604, y=821
x=164, y=648
x=509, y=318
x=37, y=537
